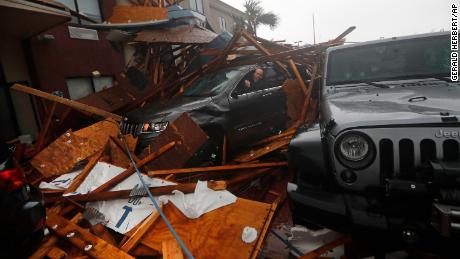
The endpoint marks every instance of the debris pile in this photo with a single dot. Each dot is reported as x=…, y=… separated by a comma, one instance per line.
x=105, y=200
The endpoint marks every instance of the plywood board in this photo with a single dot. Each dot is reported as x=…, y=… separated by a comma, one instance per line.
x=295, y=99
x=189, y=138
x=63, y=154
x=134, y=14
x=216, y=234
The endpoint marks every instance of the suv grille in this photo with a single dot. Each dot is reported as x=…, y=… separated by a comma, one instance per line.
x=131, y=128
x=404, y=156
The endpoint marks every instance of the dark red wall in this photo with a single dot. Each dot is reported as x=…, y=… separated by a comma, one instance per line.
x=63, y=57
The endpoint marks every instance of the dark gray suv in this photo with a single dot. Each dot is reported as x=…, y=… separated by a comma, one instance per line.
x=220, y=104
x=385, y=154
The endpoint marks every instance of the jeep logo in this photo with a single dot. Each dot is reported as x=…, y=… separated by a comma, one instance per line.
x=447, y=134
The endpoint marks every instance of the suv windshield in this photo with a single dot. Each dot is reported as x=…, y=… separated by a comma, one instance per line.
x=212, y=84
x=390, y=60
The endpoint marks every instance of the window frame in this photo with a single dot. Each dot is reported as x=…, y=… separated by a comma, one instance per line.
x=77, y=9
x=91, y=79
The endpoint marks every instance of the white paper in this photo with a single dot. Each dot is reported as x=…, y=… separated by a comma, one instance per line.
x=203, y=200
x=60, y=183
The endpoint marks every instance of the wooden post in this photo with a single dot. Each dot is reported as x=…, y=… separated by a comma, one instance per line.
x=299, y=78
x=74, y=104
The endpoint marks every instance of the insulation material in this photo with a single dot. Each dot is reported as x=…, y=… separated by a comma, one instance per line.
x=64, y=154
x=189, y=138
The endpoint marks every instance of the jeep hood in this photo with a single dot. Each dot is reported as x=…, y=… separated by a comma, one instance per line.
x=398, y=105
x=167, y=110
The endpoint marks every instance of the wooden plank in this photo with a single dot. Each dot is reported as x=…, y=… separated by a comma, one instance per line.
x=56, y=253
x=83, y=239
x=125, y=174
x=74, y=104
x=264, y=232
x=84, y=173
x=262, y=49
x=256, y=153
x=135, y=14
x=102, y=232
x=136, y=237
x=156, y=191
x=215, y=168
x=325, y=248
x=295, y=100
x=308, y=96
x=299, y=78
x=189, y=138
x=45, y=128
x=171, y=249
x=63, y=155
x=216, y=234
x=285, y=134
x=46, y=246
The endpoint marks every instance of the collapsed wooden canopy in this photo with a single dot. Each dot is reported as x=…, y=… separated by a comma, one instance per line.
x=187, y=34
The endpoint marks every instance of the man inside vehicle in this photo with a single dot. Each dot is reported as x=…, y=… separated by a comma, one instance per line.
x=252, y=80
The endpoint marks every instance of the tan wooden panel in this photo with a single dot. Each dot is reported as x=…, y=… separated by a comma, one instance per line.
x=63, y=154
x=216, y=234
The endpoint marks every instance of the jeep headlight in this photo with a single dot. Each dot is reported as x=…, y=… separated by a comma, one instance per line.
x=154, y=127
x=354, y=147
x=355, y=150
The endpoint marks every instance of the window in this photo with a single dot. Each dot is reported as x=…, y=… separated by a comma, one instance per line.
x=89, y=8
x=197, y=5
x=222, y=23
x=80, y=87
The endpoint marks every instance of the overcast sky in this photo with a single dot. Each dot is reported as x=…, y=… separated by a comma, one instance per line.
x=373, y=18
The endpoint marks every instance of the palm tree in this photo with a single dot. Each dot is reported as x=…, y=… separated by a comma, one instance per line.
x=256, y=15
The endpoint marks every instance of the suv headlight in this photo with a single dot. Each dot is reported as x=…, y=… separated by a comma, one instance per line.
x=355, y=150
x=154, y=127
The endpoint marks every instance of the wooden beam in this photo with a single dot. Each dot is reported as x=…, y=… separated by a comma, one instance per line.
x=125, y=174
x=263, y=49
x=85, y=172
x=297, y=75
x=308, y=95
x=74, y=104
x=135, y=239
x=83, y=239
x=156, y=191
x=215, y=168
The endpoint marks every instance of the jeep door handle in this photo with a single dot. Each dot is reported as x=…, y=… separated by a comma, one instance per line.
x=266, y=94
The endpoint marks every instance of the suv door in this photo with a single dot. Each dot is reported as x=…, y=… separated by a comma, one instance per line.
x=254, y=113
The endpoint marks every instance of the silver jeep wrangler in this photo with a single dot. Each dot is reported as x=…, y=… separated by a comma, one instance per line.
x=385, y=155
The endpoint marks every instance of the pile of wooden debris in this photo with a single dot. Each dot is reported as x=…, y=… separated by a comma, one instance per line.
x=96, y=203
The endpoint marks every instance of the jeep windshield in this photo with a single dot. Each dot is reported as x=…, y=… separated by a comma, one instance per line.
x=402, y=59
x=212, y=84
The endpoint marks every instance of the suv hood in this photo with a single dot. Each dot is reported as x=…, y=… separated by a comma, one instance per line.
x=160, y=111
x=402, y=104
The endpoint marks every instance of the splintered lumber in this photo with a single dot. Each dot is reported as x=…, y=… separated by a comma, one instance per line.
x=156, y=191
x=45, y=247
x=215, y=168
x=136, y=14
x=189, y=138
x=84, y=173
x=171, y=249
x=83, y=239
x=325, y=248
x=74, y=104
x=294, y=100
x=125, y=174
x=263, y=233
x=286, y=134
x=63, y=154
x=136, y=237
x=303, y=115
x=256, y=153
x=216, y=234
x=297, y=75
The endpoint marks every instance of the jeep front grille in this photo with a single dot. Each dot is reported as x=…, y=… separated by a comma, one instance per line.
x=402, y=157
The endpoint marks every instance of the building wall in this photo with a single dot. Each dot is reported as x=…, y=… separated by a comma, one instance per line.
x=213, y=9
x=15, y=69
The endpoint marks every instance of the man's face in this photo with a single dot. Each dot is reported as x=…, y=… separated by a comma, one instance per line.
x=258, y=74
